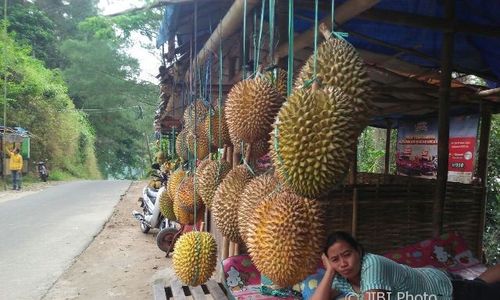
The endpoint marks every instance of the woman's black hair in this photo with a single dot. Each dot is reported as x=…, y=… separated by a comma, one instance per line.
x=346, y=237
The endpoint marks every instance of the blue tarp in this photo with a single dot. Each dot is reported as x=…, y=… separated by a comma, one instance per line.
x=472, y=53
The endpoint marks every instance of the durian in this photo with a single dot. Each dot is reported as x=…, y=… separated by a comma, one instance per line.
x=187, y=218
x=285, y=237
x=186, y=195
x=166, y=204
x=181, y=146
x=251, y=107
x=215, y=126
x=255, y=191
x=338, y=65
x=174, y=181
x=278, y=78
x=196, y=111
x=208, y=181
x=195, y=257
x=258, y=148
x=200, y=137
x=226, y=202
x=314, y=139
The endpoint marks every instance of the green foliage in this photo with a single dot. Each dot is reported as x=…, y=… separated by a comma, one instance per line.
x=492, y=230
x=103, y=81
x=37, y=100
x=371, y=150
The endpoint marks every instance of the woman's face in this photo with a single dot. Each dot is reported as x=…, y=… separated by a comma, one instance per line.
x=345, y=259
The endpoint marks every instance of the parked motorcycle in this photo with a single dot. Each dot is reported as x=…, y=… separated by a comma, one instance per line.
x=43, y=172
x=151, y=216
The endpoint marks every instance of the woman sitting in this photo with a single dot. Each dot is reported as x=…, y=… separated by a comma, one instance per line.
x=354, y=274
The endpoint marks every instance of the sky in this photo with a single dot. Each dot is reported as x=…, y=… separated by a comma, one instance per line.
x=149, y=61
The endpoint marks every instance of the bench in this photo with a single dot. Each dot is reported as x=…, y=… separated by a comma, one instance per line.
x=177, y=291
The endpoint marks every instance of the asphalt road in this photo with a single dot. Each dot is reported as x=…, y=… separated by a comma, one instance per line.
x=41, y=234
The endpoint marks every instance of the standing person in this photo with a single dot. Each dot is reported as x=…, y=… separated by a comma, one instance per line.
x=356, y=275
x=16, y=167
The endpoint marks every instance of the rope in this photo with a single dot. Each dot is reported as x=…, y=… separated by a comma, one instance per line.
x=244, y=73
x=197, y=251
x=260, y=35
x=309, y=82
x=337, y=34
x=271, y=30
x=290, y=47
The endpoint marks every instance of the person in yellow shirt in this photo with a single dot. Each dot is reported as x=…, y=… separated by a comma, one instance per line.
x=15, y=166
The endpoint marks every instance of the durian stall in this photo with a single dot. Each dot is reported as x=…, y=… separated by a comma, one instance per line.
x=272, y=100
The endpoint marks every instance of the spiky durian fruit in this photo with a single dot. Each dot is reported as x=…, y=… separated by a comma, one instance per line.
x=200, y=167
x=208, y=181
x=181, y=146
x=186, y=194
x=226, y=201
x=251, y=106
x=196, y=111
x=174, y=181
x=278, y=78
x=160, y=157
x=338, y=65
x=195, y=257
x=314, y=136
x=217, y=126
x=201, y=140
x=187, y=218
x=285, y=237
x=166, y=204
x=154, y=184
x=258, y=148
x=255, y=191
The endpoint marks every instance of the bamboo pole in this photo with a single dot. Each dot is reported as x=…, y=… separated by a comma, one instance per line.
x=444, y=122
x=225, y=247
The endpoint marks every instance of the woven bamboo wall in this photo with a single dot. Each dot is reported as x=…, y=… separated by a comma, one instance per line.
x=394, y=215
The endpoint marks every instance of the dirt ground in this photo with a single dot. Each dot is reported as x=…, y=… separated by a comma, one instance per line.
x=121, y=262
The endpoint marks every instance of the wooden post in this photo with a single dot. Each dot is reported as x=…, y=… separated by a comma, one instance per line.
x=229, y=156
x=482, y=171
x=387, y=147
x=444, y=121
x=352, y=181
x=231, y=248
x=225, y=248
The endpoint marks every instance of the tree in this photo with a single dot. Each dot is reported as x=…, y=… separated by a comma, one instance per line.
x=103, y=78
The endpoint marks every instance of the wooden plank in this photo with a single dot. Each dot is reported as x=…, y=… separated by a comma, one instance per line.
x=159, y=290
x=197, y=293
x=177, y=290
x=215, y=290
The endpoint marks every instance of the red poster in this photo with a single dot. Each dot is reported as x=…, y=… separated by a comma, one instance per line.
x=461, y=157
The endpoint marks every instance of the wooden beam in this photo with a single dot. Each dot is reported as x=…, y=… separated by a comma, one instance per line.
x=484, y=139
x=490, y=92
x=444, y=122
x=343, y=13
x=421, y=21
x=231, y=22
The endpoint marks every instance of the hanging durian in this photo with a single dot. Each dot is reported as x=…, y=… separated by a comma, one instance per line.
x=313, y=140
x=186, y=194
x=196, y=111
x=278, y=78
x=202, y=147
x=216, y=126
x=174, y=181
x=195, y=257
x=250, y=109
x=338, y=65
x=226, y=202
x=255, y=191
x=210, y=178
x=285, y=237
x=187, y=218
x=181, y=146
x=166, y=204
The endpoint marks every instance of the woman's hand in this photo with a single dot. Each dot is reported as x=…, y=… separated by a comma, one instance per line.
x=327, y=264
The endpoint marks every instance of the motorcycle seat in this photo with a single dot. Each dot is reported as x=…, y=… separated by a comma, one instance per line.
x=152, y=194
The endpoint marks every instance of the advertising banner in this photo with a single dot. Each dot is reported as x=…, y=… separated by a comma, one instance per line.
x=417, y=148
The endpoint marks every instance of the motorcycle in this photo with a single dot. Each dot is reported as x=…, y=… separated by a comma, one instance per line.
x=151, y=216
x=43, y=172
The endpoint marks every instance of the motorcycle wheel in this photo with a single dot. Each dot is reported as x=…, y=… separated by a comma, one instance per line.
x=145, y=228
x=44, y=178
x=166, y=239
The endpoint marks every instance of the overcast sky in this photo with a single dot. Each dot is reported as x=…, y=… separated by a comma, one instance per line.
x=149, y=62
